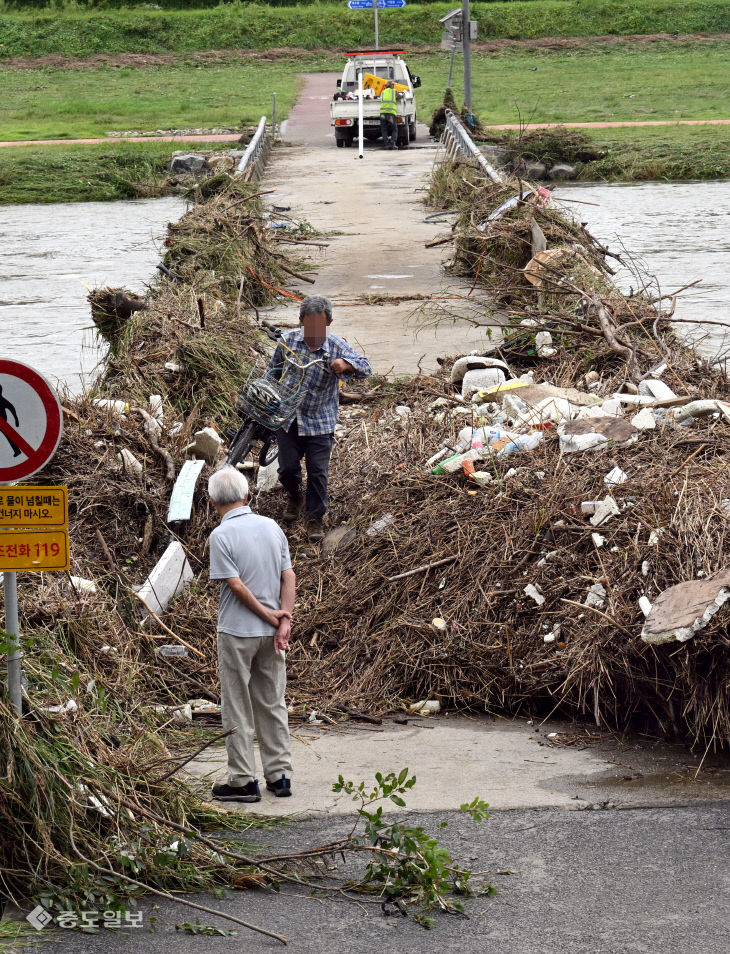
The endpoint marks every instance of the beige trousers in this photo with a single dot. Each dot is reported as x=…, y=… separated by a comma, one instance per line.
x=253, y=680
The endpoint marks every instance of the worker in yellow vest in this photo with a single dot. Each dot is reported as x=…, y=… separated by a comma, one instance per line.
x=388, y=113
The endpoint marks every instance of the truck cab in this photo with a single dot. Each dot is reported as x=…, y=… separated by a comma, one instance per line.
x=376, y=67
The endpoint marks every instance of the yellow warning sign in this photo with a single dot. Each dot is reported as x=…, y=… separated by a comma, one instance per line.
x=34, y=507
x=34, y=550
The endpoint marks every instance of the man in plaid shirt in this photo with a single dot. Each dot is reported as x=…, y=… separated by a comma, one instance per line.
x=309, y=433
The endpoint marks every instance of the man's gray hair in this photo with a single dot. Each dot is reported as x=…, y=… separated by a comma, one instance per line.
x=315, y=305
x=227, y=486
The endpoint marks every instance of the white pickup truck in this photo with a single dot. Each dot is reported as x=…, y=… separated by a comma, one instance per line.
x=382, y=65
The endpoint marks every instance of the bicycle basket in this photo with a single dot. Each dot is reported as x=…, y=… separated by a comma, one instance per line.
x=272, y=398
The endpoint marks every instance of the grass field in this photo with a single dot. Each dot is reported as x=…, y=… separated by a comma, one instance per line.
x=322, y=25
x=615, y=83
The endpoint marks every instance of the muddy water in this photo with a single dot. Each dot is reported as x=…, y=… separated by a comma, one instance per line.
x=678, y=232
x=51, y=254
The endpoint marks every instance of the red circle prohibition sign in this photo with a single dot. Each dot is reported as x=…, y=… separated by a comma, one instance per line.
x=35, y=457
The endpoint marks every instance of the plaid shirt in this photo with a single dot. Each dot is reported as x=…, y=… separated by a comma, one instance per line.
x=317, y=414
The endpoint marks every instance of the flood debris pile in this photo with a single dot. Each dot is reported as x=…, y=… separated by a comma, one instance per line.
x=193, y=339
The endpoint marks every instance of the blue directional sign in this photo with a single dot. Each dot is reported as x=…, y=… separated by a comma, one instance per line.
x=382, y=4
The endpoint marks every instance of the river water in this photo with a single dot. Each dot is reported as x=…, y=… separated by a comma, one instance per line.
x=52, y=255
x=678, y=232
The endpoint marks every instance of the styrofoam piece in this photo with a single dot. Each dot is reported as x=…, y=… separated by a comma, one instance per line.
x=595, y=596
x=207, y=444
x=120, y=408
x=606, y=509
x=267, y=477
x=638, y=399
x=129, y=462
x=612, y=407
x=168, y=578
x=480, y=378
x=615, y=477
x=82, y=585
x=598, y=540
x=656, y=389
x=645, y=605
x=472, y=361
x=534, y=593
x=543, y=344
x=181, y=500
x=644, y=420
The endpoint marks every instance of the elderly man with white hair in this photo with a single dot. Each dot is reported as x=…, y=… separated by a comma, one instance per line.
x=250, y=555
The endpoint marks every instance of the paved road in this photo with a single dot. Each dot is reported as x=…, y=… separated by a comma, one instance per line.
x=590, y=882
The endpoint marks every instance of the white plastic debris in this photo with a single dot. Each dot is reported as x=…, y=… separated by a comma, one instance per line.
x=128, y=461
x=437, y=456
x=598, y=540
x=645, y=567
x=206, y=445
x=481, y=478
x=589, y=506
x=606, y=509
x=385, y=521
x=700, y=409
x=645, y=605
x=534, y=593
x=572, y=443
x=548, y=638
x=612, y=408
x=655, y=535
x=472, y=362
x=543, y=344
x=656, y=389
x=313, y=720
x=644, y=420
x=172, y=366
x=475, y=381
x=402, y=410
x=426, y=707
x=82, y=585
x=70, y=706
x=267, y=477
x=615, y=477
x=552, y=735
x=595, y=596
x=156, y=406
x=438, y=625
x=120, y=408
x=548, y=556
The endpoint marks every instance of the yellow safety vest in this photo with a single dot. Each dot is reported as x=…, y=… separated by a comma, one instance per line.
x=388, y=104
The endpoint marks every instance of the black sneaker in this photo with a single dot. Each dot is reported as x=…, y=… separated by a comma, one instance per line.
x=281, y=787
x=243, y=793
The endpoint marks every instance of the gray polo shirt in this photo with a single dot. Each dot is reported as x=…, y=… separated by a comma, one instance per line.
x=255, y=549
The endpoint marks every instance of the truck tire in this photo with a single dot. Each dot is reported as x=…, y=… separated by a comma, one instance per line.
x=402, y=141
x=340, y=142
x=412, y=131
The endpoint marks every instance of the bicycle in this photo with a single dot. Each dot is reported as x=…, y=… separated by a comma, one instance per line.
x=266, y=402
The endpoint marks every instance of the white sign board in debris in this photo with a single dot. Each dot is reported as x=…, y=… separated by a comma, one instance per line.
x=168, y=579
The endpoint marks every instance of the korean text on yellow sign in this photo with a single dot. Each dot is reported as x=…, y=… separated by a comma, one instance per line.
x=34, y=507
x=34, y=550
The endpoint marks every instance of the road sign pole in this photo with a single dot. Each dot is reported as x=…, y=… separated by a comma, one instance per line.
x=451, y=66
x=466, y=40
x=375, y=8
x=360, y=117
x=12, y=628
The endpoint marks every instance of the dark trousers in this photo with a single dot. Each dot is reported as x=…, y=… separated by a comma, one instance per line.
x=388, y=129
x=316, y=450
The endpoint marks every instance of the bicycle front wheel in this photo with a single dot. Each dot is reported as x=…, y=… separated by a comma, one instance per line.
x=241, y=443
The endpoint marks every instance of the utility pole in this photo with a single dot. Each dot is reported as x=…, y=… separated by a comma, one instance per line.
x=466, y=41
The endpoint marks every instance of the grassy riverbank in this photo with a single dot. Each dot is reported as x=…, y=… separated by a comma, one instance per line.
x=94, y=173
x=318, y=25
x=616, y=83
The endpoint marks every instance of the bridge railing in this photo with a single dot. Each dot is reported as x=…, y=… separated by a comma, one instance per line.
x=257, y=151
x=457, y=142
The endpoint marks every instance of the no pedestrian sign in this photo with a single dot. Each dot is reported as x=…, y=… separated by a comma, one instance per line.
x=31, y=421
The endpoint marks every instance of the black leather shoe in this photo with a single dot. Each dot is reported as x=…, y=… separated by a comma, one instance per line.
x=281, y=787
x=244, y=793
